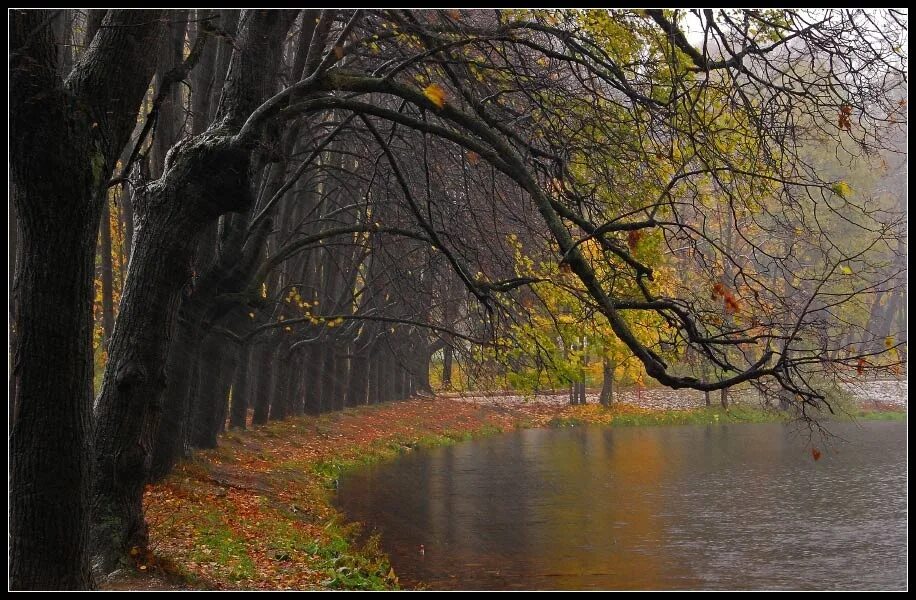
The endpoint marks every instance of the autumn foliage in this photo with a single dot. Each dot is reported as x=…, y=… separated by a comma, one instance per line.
x=731, y=303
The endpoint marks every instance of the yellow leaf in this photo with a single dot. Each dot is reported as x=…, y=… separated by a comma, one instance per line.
x=889, y=342
x=435, y=94
x=842, y=189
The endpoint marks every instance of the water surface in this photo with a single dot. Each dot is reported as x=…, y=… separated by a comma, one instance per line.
x=693, y=507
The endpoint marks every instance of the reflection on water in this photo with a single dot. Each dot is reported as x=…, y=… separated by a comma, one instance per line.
x=696, y=507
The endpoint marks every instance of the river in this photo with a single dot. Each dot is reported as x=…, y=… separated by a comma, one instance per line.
x=692, y=507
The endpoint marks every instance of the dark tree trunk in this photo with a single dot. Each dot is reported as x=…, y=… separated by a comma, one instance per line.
x=60, y=159
x=447, y=358
x=359, y=379
x=171, y=213
x=208, y=405
x=420, y=374
x=227, y=376
x=374, y=376
x=107, y=273
x=328, y=401
x=240, y=392
x=127, y=214
x=294, y=401
x=264, y=384
x=12, y=261
x=385, y=372
x=723, y=398
x=607, y=383
x=340, y=377
x=402, y=391
x=278, y=397
x=313, y=364
x=168, y=124
x=202, y=81
x=181, y=387
x=52, y=382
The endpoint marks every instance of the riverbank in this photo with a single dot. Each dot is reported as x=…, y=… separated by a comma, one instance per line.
x=257, y=513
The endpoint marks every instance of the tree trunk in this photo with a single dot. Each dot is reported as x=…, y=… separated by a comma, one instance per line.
x=51, y=378
x=328, y=400
x=607, y=384
x=171, y=213
x=374, y=376
x=240, y=392
x=107, y=272
x=359, y=379
x=313, y=363
x=447, y=359
x=60, y=159
x=206, y=406
x=264, y=384
x=172, y=432
x=278, y=407
x=340, y=377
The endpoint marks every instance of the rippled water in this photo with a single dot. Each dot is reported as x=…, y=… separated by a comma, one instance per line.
x=695, y=507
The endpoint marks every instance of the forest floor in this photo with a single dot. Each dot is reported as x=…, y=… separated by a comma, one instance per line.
x=257, y=512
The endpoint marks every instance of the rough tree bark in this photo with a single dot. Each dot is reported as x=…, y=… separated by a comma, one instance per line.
x=607, y=386
x=74, y=129
x=107, y=273
x=264, y=384
x=204, y=177
x=240, y=389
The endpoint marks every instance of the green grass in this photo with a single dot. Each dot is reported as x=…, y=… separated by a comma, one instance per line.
x=349, y=566
x=330, y=471
x=880, y=415
x=715, y=415
x=218, y=544
x=702, y=416
x=697, y=416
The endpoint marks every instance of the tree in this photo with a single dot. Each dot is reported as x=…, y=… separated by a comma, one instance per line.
x=65, y=136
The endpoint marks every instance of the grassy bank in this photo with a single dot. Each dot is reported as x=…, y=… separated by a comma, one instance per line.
x=257, y=513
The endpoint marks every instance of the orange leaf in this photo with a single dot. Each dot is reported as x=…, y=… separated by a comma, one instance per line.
x=844, y=122
x=815, y=454
x=473, y=157
x=435, y=94
x=338, y=51
x=633, y=237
